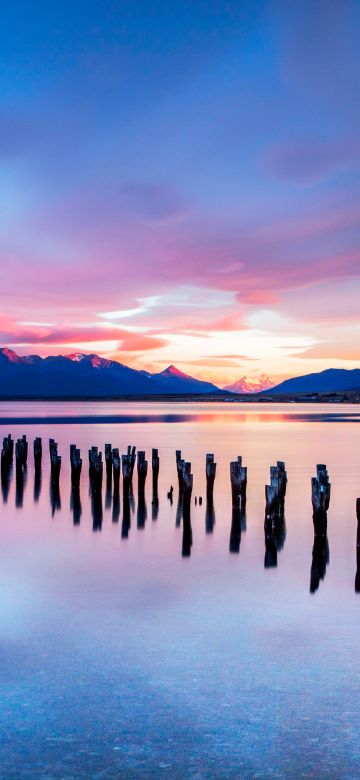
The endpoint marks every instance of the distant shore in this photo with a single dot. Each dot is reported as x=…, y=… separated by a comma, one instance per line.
x=349, y=397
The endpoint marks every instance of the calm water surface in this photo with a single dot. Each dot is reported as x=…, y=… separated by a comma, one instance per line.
x=121, y=658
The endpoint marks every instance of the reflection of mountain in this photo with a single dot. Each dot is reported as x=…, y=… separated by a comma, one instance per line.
x=88, y=376
x=248, y=384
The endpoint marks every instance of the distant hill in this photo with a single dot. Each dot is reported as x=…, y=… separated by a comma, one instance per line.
x=80, y=375
x=329, y=381
x=250, y=384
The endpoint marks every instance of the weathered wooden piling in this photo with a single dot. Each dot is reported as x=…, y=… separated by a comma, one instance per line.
x=21, y=453
x=37, y=446
x=75, y=464
x=142, y=466
x=108, y=461
x=275, y=493
x=126, y=473
x=320, y=498
x=7, y=452
x=210, y=471
x=95, y=468
x=187, y=486
x=131, y=451
x=55, y=461
x=116, y=463
x=155, y=463
x=357, y=575
x=179, y=467
x=238, y=478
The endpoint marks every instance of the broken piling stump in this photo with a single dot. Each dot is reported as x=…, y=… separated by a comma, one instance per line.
x=55, y=461
x=142, y=466
x=75, y=465
x=37, y=446
x=238, y=478
x=210, y=470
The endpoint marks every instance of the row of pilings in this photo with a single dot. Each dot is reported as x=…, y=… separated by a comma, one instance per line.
x=116, y=464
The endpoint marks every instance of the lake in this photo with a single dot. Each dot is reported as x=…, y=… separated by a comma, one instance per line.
x=129, y=652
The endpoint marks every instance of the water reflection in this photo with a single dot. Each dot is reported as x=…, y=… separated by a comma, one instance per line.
x=96, y=508
x=75, y=504
x=320, y=560
x=37, y=484
x=116, y=503
x=126, y=519
x=55, y=497
x=238, y=524
x=141, y=515
x=108, y=491
x=187, y=538
x=6, y=477
x=20, y=484
x=209, y=516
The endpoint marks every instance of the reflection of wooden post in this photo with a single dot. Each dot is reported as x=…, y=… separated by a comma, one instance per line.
x=210, y=469
x=358, y=510
x=37, y=453
x=76, y=465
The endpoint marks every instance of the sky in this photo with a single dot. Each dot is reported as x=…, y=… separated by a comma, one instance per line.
x=179, y=183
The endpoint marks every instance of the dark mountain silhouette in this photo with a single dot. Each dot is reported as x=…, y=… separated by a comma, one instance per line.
x=82, y=375
x=329, y=381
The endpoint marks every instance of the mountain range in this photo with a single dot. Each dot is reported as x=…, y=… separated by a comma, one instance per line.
x=331, y=380
x=81, y=375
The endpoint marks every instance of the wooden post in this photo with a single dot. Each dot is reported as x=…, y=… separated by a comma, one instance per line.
x=179, y=467
x=37, y=453
x=142, y=466
x=108, y=461
x=116, y=462
x=210, y=470
x=155, y=462
x=55, y=461
x=95, y=468
x=126, y=473
x=238, y=478
x=76, y=465
x=21, y=452
x=131, y=451
x=7, y=452
x=187, y=483
x=357, y=576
